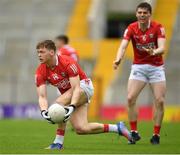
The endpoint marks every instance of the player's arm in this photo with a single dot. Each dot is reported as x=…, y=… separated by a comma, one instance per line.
x=161, y=41
x=42, y=95
x=158, y=51
x=43, y=103
x=161, y=47
x=75, y=86
x=120, y=53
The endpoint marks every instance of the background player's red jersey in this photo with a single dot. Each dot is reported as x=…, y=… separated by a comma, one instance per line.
x=147, y=39
x=59, y=76
x=68, y=51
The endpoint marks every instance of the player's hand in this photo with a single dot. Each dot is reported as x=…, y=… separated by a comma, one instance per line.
x=116, y=63
x=150, y=51
x=69, y=110
x=45, y=115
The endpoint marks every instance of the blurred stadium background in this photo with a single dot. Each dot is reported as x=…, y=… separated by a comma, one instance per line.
x=95, y=28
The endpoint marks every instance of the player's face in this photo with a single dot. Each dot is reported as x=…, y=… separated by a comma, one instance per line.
x=143, y=15
x=59, y=43
x=44, y=55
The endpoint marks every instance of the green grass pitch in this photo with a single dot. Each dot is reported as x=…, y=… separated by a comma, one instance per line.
x=31, y=137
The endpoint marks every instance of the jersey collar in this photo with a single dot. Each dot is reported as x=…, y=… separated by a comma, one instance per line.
x=149, y=24
x=57, y=61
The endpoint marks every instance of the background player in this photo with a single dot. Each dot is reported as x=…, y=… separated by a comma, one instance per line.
x=148, y=39
x=76, y=89
x=63, y=47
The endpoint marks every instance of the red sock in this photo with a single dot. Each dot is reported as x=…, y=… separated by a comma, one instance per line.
x=59, y=136
x=60, y=132
x=133, y=125
x=157, y=129
x=106, y=127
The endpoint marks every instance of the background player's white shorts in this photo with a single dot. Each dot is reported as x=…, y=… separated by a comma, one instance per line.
x=87, y=86
x=147, y=73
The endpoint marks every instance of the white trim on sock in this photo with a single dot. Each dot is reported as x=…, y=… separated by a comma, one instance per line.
x=134, y=131
x=113, y=128
x=59, y=139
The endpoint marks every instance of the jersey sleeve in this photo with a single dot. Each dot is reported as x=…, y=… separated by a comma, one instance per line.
x=160, y=31
x=74, y=57
x=127, y=33
x=39, y=78
x=72, y=70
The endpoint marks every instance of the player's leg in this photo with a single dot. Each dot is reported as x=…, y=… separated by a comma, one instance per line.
x=134, y=89
x=63, y=99
x=59, y=138
x=137, y=81
x=82, y=126
x=157, y=81
x=79, y=117
x=159, y=90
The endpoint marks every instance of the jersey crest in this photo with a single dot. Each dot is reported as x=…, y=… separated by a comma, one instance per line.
x=55, y=76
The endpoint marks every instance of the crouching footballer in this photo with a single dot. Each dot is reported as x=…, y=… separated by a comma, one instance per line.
x=76, y=91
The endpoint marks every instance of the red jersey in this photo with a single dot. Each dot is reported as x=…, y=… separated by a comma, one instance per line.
x=147, y=39
x=69, y=51
x=59, y=76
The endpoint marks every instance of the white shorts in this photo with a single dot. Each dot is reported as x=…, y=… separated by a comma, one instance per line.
x=87, y=86
x=147, y=73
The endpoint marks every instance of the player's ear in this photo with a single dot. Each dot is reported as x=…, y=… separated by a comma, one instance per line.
x=52, y=52
x=136, y=15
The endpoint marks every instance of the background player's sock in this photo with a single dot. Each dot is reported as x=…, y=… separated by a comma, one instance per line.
x=157, y=130
x=110, y=128
x=133, y=126
x=59, y=136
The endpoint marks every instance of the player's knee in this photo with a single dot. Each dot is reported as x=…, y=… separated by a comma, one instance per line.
x=80, y=130
x=131, y=100
x=159, y=102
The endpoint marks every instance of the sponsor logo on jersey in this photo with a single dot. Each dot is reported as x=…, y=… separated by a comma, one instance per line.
x=149, y=45
x=63, y=84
